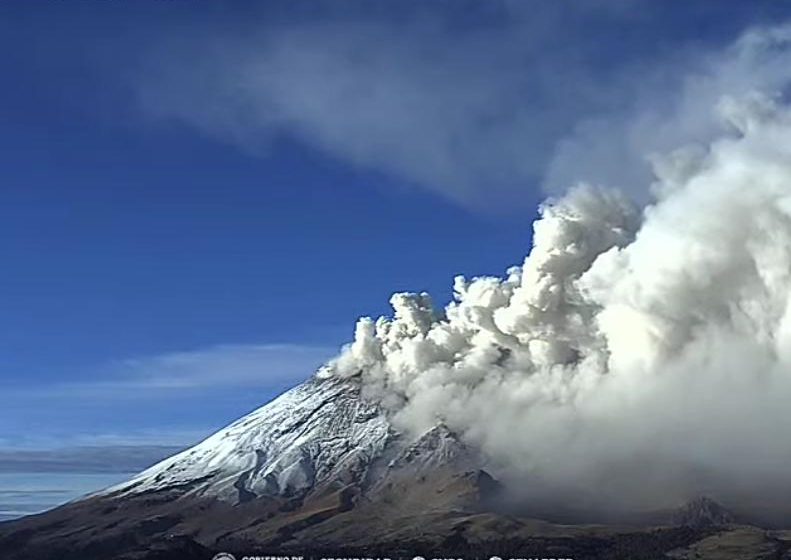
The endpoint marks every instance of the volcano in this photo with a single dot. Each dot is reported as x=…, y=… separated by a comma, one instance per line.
x=322, y=470
x=318, y=465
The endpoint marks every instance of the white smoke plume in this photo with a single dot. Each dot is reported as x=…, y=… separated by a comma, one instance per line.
x=637, y=358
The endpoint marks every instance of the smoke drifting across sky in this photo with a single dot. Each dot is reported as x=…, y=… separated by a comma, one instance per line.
x=481, y=114
x=638, y=357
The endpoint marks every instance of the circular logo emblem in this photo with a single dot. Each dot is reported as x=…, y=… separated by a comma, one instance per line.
x=224, y=556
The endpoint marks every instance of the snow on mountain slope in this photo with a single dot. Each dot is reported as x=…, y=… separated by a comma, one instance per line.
x=318, y=433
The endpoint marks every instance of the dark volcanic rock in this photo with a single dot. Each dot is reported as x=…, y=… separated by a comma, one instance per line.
x=702, y=512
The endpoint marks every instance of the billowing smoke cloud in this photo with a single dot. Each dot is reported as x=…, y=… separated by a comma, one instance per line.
x=672, y=104
x=638, y=357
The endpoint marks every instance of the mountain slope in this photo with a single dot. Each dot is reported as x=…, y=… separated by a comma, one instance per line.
x=316, y=452
x=314, y=435
x=317, y=469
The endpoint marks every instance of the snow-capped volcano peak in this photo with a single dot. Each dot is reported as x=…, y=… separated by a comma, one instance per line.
x=318, y=433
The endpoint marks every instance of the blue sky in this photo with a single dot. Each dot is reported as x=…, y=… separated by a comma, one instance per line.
x=200, y=198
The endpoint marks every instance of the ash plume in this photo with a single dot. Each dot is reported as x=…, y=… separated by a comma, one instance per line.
x=638, y=357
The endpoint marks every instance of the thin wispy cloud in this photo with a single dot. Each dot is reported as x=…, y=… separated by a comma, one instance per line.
x=463, y=112
x=530, y=98
x=96, y=424
x=27, y=493
x=84, y=459
x=262, y=366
